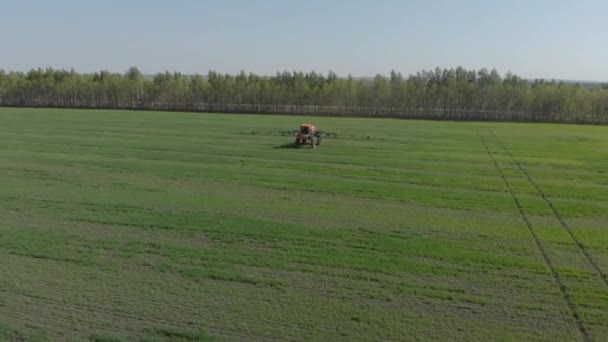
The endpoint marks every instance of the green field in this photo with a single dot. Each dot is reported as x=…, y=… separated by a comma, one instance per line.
x=144, y=225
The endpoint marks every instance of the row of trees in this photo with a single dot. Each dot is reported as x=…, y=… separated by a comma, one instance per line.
x=453, y=94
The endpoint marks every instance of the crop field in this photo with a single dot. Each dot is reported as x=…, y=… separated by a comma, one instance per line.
x=118, y=225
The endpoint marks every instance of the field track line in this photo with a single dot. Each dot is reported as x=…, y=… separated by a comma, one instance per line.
x=539, y=246
x=580, y=246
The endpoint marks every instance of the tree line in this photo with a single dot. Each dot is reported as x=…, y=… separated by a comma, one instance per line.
x=448, y=94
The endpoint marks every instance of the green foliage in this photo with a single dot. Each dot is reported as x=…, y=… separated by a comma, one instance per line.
x=449, y=94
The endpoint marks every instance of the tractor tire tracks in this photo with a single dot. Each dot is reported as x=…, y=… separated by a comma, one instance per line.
x=556, y=277
x=559, y=218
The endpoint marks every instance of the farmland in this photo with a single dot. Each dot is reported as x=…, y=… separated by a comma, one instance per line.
x=147, y=225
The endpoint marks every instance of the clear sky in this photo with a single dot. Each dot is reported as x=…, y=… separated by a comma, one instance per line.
x=563, y=39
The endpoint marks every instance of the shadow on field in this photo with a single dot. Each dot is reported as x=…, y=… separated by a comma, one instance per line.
x=290, y=145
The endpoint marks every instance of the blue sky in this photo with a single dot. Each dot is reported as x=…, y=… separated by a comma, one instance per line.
x=533, y=38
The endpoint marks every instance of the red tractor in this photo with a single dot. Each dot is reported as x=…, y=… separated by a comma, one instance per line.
x=307, y=135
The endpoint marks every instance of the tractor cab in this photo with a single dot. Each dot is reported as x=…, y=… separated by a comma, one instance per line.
x=307, y=129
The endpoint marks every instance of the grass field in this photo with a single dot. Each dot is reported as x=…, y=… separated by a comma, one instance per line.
x=141, y=225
